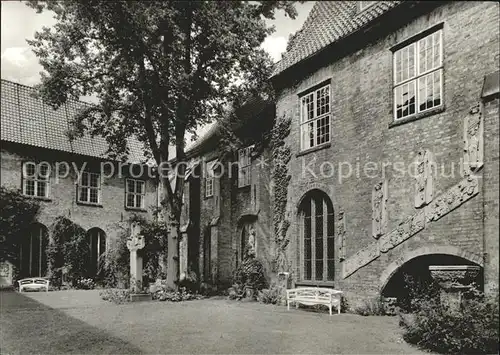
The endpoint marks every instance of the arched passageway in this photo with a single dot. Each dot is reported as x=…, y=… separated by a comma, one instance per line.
x=414, y=278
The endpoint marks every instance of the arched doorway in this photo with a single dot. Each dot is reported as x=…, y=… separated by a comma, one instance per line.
x=96, y=239
x=316, y=237
x=33, y=251
x=413, y=278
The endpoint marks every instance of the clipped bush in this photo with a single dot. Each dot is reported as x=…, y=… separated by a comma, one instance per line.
x=271, y=295
x=470, y=329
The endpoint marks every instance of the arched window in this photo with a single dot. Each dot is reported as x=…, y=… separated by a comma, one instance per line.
x=33, y=251
x=317, y=237
x=97, y=244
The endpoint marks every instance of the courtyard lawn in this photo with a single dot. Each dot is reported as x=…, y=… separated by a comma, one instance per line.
x=79, y=322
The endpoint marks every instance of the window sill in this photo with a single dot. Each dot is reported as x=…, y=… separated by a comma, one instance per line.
x=135, y=209
x=207, y=197
x=314, y=149
x=89, y=204
x=315, y=283
x=39, y=198
x=244, y=187
x=418, y=116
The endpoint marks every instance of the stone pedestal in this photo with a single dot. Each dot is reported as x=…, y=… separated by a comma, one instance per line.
x=135, y=243
x=454, y=280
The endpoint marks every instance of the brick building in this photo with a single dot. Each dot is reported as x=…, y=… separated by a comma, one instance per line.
x=34, y=140
x=381, y=87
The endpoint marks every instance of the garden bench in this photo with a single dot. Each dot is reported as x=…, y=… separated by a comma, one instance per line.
x=314, y=295
x=33, y=283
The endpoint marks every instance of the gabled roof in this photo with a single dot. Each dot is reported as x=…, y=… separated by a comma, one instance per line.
x=328, y=22
x=30, y=121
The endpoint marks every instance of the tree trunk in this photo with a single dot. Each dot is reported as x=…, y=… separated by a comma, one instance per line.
x=173, y=251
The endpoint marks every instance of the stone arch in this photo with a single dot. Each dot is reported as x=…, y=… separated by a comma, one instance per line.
x=322, y=188
x=393, y=267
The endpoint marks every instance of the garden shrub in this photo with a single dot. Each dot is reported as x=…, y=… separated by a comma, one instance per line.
x=271, y=295
x=85, y=284
x=374, y=306
x=115, y=295
x=236, y=292
x=17, y=212
x=250, y=274
x=115, y=266
x=164, y=293
x=470, y=329
x=68, y=252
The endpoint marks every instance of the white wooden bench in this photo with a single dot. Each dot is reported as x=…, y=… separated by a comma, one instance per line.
x=33, y=283
x=314, y=295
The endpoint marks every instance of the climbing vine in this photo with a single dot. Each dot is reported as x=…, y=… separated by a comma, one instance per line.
x=281, y=157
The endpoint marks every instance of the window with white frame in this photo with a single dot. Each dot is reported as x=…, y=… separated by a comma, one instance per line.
x=209, y=178
x=36, y=179
x=418, y=76
x=244, y=165
x=365, y=4
x=89, y=188
x=315, y=118
x=135, y=193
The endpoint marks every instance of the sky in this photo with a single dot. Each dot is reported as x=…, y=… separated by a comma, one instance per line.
x=20, y=22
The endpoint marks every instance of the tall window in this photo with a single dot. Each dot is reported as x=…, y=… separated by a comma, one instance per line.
x=418, y=76
x=89, y=189
x=315, y=118
x=96, y=239
x=317, y=235
x=33, y=252
x=135, y=193
x=244, y=162
x=209, y=178
x=36, y=179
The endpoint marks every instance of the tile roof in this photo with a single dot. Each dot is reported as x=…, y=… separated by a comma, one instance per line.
x=328, y=22
x=28, y=120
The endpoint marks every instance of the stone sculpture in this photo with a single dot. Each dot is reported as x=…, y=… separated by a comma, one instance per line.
x=424, y=183
x=379, y=209
x=135, y=243
x=473, y=140
x=341, y=234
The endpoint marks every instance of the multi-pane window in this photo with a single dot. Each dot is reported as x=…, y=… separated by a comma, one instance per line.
x=365, y=4
x=36, y=179
x=209, y=178
x=244, y=162
x=96, y=240
x=89, y=189
x=135, y=193
x=315, y=118
x=317, y=235
x=418, y=76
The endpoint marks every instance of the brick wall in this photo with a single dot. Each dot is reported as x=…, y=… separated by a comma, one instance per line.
x=491, y=193
x=361, y=86
x=111, y=217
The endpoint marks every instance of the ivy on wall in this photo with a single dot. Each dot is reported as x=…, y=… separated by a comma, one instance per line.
x=281, y=154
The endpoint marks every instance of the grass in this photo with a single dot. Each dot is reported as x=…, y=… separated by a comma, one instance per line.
x=79, y=322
